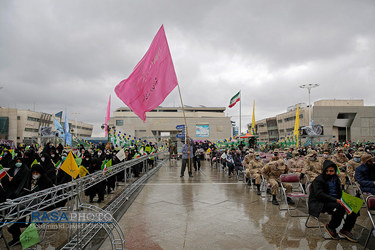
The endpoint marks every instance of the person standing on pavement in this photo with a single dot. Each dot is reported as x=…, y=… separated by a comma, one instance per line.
x=187, y=157
x=197, y=159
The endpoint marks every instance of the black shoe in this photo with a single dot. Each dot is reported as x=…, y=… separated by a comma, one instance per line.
x=275, y=202
x=258, y=192
x=332, y=233
x=268, y=191
x=14, y=242
x=290, y=201
x=99, y=201
x=348, y=235
x=181, y=176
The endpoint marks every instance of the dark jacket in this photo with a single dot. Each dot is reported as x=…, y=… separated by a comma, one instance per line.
x=319, y=192
x=43, y=182
x=365, y=175
x=6, y=161
x=237, y=160
x=49, y=168
x=21, y=180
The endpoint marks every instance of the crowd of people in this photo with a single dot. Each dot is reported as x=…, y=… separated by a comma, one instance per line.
x=326, y=170
x=34, y=168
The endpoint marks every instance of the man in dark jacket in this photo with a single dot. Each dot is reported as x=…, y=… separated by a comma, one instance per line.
x=325, y=196
x=187, y=157
x=365, y=174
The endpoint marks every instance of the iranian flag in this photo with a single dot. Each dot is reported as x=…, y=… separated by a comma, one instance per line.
x=236, y=98
x=58, y=165
x=2, y=172
x=351, y=203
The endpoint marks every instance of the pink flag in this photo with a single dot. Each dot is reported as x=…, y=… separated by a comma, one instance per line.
x=152, y=79
x=107, y=115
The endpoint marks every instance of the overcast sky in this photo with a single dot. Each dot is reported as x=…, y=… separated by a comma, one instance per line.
x=57, y=55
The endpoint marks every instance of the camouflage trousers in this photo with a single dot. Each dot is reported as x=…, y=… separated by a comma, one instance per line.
x=254, y=174
x=275, y=184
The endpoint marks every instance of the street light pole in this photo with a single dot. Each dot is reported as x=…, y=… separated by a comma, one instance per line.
x=309, y=87
x=76, y=114
x=108, y=128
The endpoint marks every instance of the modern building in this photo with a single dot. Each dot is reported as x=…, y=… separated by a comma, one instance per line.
x=342, y=120
x=23, y=126
x=204, y=123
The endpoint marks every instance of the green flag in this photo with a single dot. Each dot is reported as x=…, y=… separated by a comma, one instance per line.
x=109, y=163
x=58, y=164
x=34, y=162
x=78, y=161
x=29, y=237
x=104, y=166
x=351, y=203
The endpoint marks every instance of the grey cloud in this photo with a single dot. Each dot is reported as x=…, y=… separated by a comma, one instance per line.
x=71, y=54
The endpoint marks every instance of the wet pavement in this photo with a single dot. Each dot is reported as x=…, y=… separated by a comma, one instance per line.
x=212, y=211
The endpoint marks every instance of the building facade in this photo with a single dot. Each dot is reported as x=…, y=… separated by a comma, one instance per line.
x=204, y=123
x=22, y=126
x=342, y=120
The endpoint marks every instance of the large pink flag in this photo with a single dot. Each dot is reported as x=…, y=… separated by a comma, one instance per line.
x=107, y=115
x=152, y=79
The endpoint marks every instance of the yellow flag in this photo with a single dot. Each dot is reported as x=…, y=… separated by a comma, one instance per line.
x=296, y=126
x=253, y=121
x=82, y=171
x=34, y=162
x=70, y=166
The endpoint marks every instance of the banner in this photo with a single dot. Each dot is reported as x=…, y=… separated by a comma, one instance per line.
x=120, y=155
x=46, y=131
x=202, y=130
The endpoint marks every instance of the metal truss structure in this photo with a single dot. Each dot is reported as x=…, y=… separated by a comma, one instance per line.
x=20, y=208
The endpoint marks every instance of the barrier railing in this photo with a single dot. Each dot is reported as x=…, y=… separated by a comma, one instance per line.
x=16, y=209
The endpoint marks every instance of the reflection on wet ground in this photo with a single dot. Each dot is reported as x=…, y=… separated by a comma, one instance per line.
x=212, y=211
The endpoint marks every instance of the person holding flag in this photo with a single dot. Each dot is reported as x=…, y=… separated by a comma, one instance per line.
x=39, y=181
x=17, y=179
x=325, y=196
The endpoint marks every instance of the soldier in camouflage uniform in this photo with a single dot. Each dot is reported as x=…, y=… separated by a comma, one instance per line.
x=352, y=165
x=340, y=160
x=272, y=172
x=326, y=156
x=254, y=168
x=313, y=166
x=297, y=165
x=277, y=157
x=249, y=157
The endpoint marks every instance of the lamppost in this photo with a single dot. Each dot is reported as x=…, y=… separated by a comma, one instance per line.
x=109, y=127
x=309, y=87
x=76, y=114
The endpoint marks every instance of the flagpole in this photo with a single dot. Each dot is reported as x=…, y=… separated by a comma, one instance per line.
x=186, y=127
x=240, y=114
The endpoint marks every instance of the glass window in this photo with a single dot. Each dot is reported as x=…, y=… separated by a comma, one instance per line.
x=119, y=122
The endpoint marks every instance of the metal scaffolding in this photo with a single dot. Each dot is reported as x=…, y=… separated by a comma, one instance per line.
x=20, y=208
